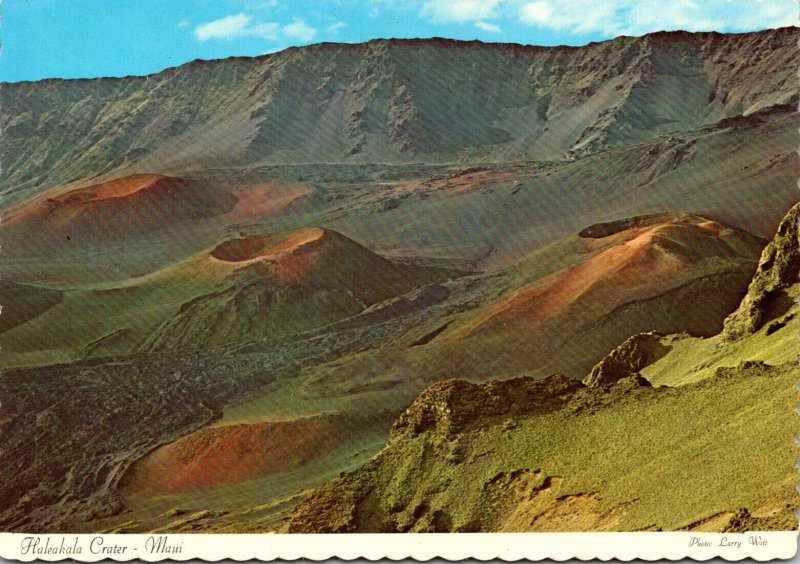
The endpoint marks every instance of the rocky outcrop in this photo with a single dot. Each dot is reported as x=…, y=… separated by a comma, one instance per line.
x=435, y=446
x=441, y=414
x=449, y=407
x=778, y=269
x=627, y=360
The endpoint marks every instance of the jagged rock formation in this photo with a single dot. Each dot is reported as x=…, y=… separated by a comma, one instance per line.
x=449, y=407
x=441, y=419
x=394, y=101
x=627, y=360
x=778, y=269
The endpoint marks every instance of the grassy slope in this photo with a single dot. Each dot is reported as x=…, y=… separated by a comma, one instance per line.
x=86, y=315
x=715, y=435
x=691, y=360
x=672, y=460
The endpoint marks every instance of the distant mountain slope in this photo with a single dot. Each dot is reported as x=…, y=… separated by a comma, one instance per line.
x=392, y=101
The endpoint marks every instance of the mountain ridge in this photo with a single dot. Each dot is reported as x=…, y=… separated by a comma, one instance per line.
x=406, y=40
x=381, y=101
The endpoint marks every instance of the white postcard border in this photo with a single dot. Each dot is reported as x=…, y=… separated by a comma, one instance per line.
x=760, y=546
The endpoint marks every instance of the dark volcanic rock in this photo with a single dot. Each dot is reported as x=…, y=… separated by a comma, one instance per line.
x=777, y=270
x=627, y=360
x=449, y=407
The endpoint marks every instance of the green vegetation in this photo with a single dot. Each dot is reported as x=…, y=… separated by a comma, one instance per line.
x=665, y=458
x=691, y=359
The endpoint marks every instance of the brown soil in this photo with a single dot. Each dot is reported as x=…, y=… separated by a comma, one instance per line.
x=117, y=208
x=264, y=199
x=119, y=188
x=239, y=250
x=525, y=501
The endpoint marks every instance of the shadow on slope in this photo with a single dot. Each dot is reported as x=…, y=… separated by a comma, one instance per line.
x=287, y=284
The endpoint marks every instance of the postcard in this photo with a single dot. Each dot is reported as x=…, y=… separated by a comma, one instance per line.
x=510, y=279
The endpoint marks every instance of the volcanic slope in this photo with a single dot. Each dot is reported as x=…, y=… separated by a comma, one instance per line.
x=611, y=453
x=741, y=172
x=99, y=232
x=127, y=207
x=242, y=289
x=632, y=275
x=286, y=285
x=326, y=401
x=405, y=212
x=149, y=207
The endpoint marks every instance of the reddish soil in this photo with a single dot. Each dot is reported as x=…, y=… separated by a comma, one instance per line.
x=117, y=208
x=266, y=247
x=118, y=188
x=233, y=454
x=476, y=180
x=257, y=200
x=643, y=258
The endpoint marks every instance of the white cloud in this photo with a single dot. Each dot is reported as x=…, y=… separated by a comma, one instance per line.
x=336, y=27
x=637, y=17
x=236, y=26
x=183, y=24
x=486, y=26
x=299, y=30
x=223, y=28
x=459, y=11
x=242, y=25
x=536, y=13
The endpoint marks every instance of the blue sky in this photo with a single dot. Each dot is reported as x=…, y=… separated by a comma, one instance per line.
x=89, y=38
